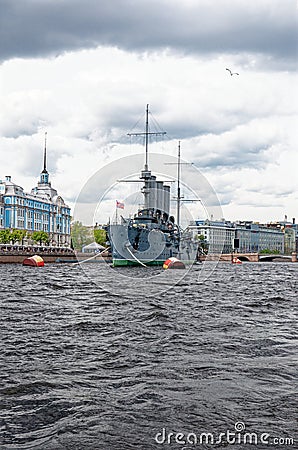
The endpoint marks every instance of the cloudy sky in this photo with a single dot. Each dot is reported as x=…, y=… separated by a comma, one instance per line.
x=84, y=72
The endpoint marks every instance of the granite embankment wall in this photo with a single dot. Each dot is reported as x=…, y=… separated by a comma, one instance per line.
x=17, y=256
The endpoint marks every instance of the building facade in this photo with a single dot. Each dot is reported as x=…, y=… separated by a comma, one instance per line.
x=218, y=235
x=41, y=210
x=290, y=230
x=253, y=237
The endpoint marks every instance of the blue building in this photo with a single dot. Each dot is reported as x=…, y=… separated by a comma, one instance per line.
x=254, y=237
x=41, y=210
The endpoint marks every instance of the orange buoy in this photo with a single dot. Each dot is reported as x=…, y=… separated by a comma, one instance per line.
x=236, y=260
x=173, y=263
x=35, y=261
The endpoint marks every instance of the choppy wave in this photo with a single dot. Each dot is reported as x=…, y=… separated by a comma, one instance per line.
x=85, y=366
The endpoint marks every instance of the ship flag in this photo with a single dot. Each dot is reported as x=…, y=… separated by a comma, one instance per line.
x=119, y=205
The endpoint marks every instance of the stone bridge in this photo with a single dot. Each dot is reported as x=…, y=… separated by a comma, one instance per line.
x=251, y=257
x=264, y=257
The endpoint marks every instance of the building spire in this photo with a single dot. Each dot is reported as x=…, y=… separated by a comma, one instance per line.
x=45, y=154
x=44, y=176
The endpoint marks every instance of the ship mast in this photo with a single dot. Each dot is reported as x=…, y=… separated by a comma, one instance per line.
x=179, y=196
x=146, y=173
x=178, y=187
x=146, y=137
x=147, y=133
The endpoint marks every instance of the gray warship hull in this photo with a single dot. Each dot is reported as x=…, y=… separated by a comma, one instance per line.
x=153, y=248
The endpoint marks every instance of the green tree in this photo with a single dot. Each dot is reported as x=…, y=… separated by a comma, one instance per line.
x=80, y=235
x=5, y=236
x=17, y=235
x=40, y=236
x=268, y=251
x=100, y=236
x=203, y=244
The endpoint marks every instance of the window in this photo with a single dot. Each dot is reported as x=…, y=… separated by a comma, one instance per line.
x=20, y=223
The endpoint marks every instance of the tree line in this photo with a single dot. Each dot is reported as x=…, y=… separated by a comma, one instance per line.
x=80, y=235
x=13, y=236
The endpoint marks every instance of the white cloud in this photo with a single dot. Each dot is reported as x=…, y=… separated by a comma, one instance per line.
x=240, y=131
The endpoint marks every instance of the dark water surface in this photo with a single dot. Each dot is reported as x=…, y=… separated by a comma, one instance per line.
x=88, y=368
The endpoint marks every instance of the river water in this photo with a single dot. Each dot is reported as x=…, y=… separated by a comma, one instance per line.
x=98, y=359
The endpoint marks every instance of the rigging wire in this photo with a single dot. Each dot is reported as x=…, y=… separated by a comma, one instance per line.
x=140, y=262
x=92, y=257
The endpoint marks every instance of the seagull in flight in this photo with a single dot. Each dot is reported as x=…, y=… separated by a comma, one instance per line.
x=232, y=73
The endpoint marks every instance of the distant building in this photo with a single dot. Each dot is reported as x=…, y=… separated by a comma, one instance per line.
x=290, y=230
x=254, y=238
x=290, y=240
x=219, y=236
x=1, y=210
x=41, y=210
